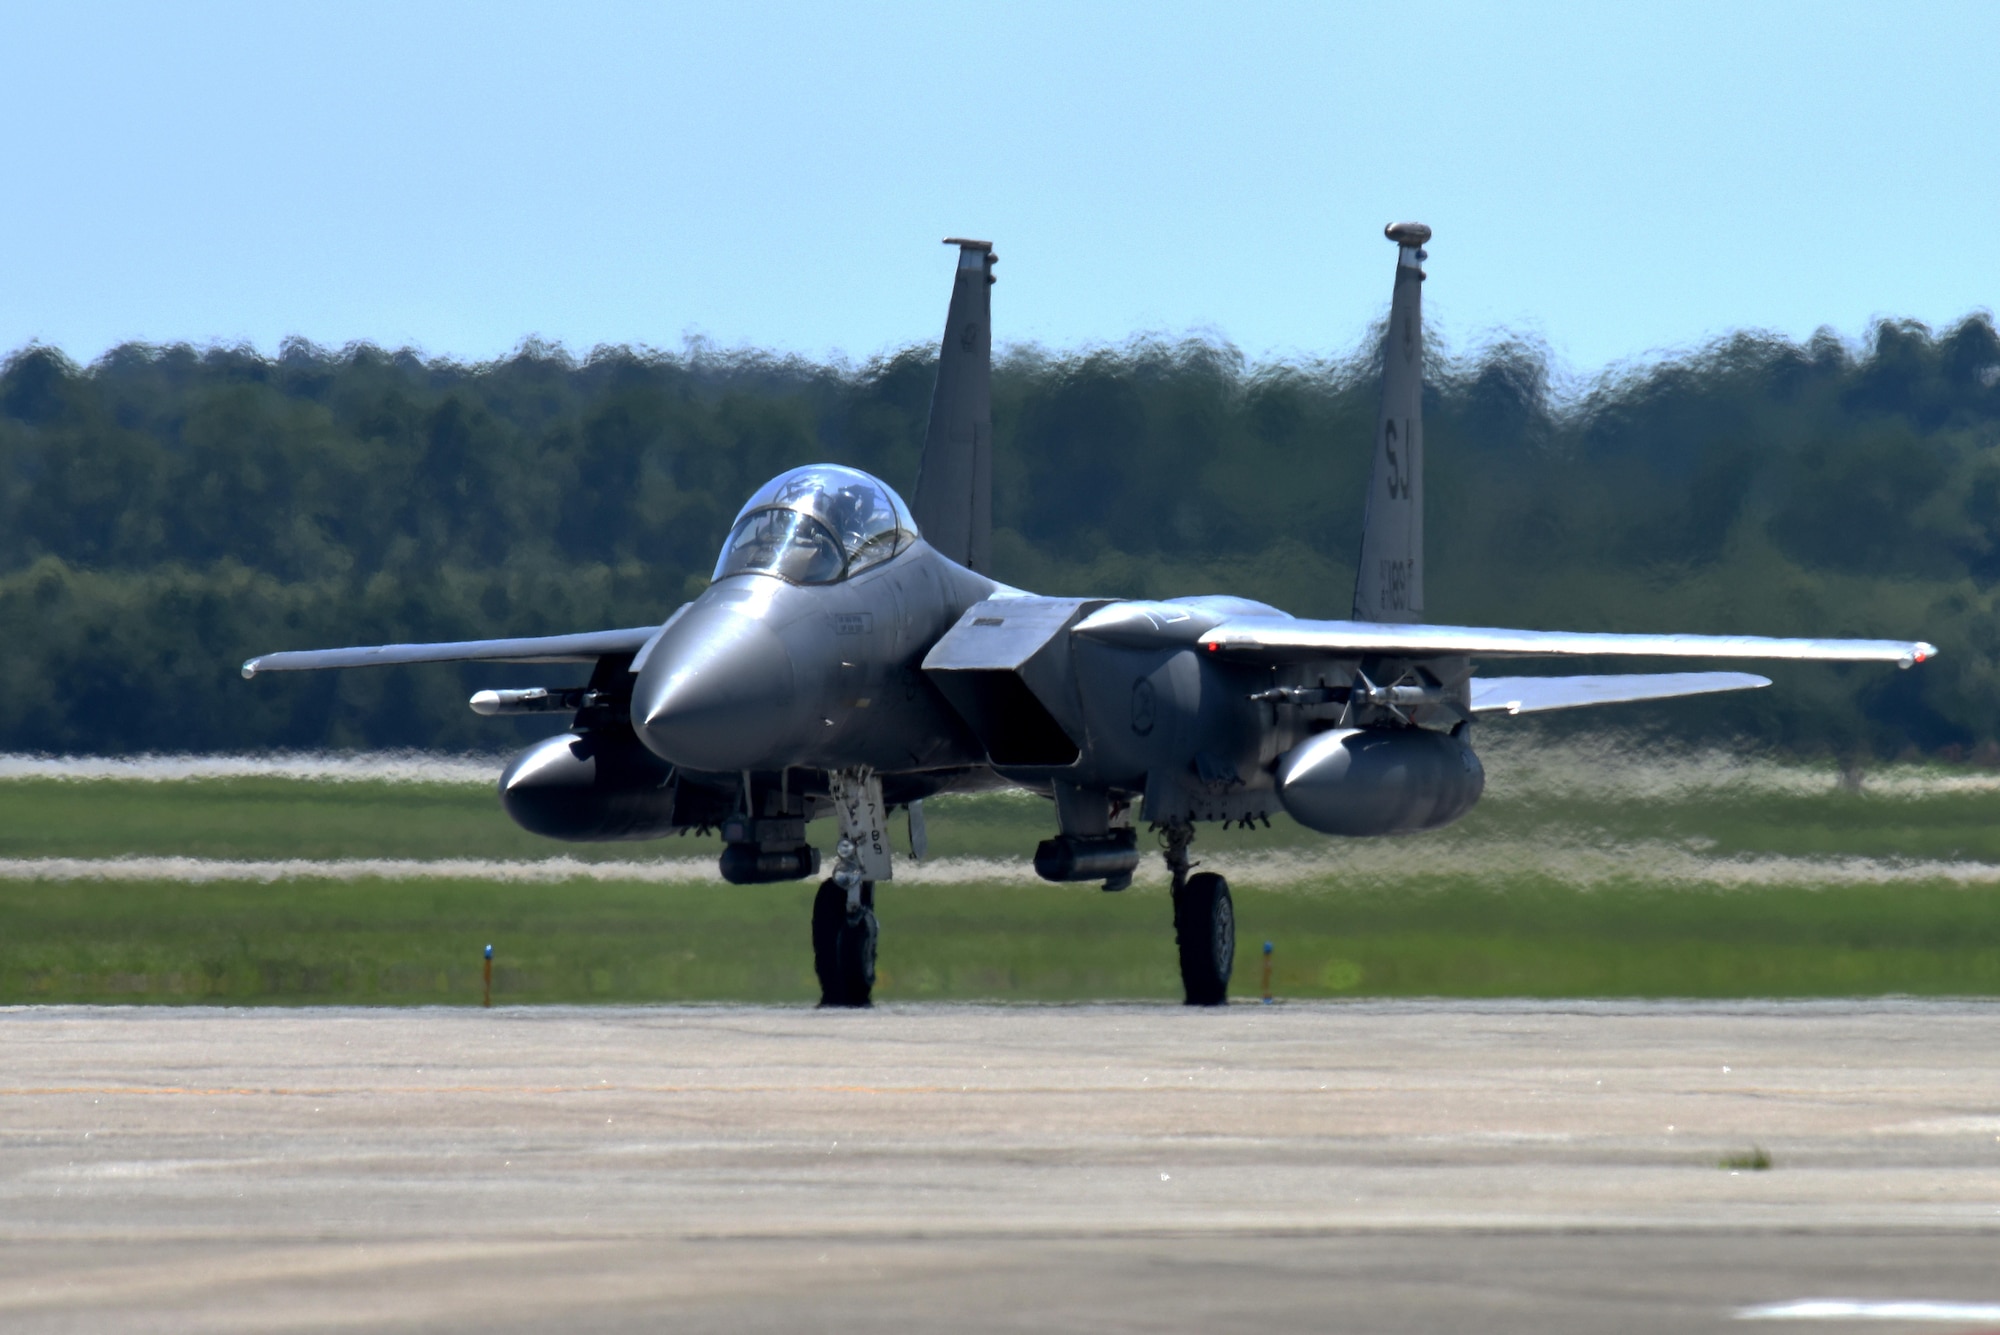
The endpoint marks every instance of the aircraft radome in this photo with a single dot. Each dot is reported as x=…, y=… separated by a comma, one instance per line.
x=854, y=656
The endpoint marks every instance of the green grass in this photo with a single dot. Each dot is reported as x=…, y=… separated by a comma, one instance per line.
x=392, y=941
x=285, y=818
x=267, y=818
x=1952, y=826
x=1518, y=934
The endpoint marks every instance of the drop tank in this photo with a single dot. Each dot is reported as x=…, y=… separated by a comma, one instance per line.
x=1369, y=781
x=590, y=787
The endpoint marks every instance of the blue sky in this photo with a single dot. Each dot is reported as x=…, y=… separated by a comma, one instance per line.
x=1616, y=179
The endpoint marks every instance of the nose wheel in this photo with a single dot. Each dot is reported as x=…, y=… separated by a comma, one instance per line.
x=844, y=944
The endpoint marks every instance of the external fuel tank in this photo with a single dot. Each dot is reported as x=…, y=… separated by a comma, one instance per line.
x=1370, y=781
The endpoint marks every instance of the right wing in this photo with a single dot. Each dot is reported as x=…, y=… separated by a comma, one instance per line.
x=1532, y=695
x=1273, y=636
x=1287, y=638
x=587, y=647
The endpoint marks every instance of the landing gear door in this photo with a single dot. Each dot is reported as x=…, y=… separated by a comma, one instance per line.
x=863, y=821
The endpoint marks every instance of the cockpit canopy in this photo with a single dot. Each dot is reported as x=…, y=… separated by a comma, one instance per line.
x=817, y=525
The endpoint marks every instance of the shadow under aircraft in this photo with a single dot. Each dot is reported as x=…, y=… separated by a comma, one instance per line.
x=853, y=656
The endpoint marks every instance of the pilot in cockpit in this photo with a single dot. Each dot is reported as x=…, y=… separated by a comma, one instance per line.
x=817, y=525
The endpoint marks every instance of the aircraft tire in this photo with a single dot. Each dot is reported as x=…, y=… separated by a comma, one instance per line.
x=1205, y=930
x=854, y=957
x=829, y=913
x=844, y=947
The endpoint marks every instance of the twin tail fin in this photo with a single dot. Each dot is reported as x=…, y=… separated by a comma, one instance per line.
x=1389, y=585
x=953, y=505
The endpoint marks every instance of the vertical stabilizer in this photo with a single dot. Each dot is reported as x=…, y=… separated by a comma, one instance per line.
x=1389, y=586
x=953, y=505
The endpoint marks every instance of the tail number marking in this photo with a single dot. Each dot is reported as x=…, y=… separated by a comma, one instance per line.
x=1395, y=586
x=1399, y=481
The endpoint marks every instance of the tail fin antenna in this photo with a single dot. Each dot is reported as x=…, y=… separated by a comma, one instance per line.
x=1389, y=586
x=953, y=505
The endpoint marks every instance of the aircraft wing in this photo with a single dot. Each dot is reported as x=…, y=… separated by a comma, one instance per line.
x=587, y=647
x=1532, y=695
x=1285, y=638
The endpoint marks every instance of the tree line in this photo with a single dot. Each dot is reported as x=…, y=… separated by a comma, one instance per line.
x=166, y=512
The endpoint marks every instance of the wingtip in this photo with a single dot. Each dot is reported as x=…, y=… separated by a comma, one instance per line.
x=1920, y=652
x=249, y=668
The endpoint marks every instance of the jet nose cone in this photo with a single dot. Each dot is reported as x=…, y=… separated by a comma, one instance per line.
x=717, y=693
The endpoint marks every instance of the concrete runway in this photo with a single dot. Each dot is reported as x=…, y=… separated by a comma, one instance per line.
x=1352, y=1167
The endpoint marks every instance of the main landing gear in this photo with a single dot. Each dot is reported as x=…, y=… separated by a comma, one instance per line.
x=1204, y=921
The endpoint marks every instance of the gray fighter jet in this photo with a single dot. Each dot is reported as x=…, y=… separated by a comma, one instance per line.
x=853, y=656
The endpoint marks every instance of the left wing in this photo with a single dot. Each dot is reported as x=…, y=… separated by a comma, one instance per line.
x=1286, y=638
x=1532, y=695
x=587, y=647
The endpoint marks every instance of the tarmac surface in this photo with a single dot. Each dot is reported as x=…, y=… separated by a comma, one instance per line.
x=1428, y=1167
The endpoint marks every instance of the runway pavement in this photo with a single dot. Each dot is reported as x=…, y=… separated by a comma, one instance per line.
x=1350, y=1167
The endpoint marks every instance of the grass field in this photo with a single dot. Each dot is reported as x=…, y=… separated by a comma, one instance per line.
x=1584, y=873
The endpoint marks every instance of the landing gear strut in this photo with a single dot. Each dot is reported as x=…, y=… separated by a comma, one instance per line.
x=1204, y=921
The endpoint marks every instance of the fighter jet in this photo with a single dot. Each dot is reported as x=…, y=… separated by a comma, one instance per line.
x=854, y=656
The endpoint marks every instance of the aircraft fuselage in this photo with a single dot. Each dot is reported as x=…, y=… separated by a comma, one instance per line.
x=763, y=675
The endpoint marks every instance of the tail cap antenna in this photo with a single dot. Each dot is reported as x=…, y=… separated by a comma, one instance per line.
x=974, y=254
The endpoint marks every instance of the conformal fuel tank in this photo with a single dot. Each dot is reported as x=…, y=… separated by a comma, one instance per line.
x=1365, y=781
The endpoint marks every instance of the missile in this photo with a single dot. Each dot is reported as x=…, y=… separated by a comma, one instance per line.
x=530, y=700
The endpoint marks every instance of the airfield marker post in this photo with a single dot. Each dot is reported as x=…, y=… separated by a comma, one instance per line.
x=1267, y=973
x=488, y=1001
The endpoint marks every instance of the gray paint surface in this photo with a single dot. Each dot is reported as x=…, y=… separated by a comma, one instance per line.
x=1364, y=1166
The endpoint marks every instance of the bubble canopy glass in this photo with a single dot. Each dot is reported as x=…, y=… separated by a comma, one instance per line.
x=817, y=525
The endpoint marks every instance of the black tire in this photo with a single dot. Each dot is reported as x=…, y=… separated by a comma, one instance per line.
x=1205, y=931
x=854, y=956
x=843, y=946
x=829, y=912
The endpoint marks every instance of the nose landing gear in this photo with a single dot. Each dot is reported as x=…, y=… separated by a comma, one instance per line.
x=844, y=944
x=844, y=930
